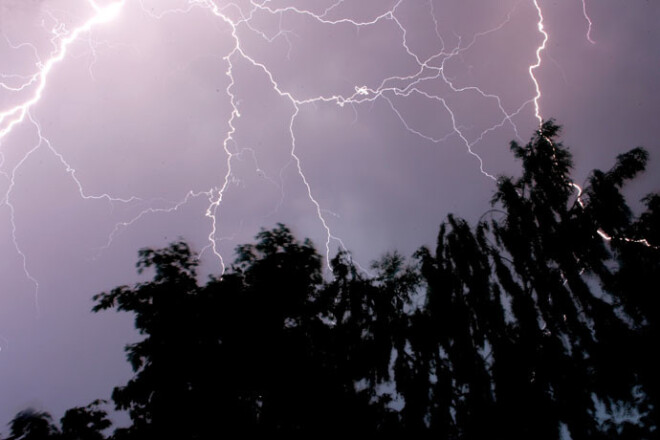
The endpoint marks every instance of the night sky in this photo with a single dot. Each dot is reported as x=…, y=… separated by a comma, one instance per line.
x=130, y=124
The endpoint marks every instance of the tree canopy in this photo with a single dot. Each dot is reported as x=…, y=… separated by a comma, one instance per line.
x=537, y=320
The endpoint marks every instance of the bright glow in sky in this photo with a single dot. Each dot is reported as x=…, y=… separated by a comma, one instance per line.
x=359, y=123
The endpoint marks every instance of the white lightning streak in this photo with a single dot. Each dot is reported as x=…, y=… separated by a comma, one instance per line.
x=15, y=115
x=12, y=219
x=539, y=49
x=604, y=234
x=541, y=29
x=589, y=23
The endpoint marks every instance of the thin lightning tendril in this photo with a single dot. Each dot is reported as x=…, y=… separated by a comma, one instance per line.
x=589, y=23
x=16, y=115
x=601, y=232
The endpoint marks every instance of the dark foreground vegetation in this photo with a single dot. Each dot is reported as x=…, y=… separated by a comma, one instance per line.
x=539, y=320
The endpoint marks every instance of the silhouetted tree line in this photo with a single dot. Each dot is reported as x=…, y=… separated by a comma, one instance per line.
x=541, y=318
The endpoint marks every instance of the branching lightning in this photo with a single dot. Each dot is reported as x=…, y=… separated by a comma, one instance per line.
x=390, y=89
x=16, y=115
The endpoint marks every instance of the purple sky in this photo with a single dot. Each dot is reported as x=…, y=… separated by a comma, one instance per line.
x=355, y=114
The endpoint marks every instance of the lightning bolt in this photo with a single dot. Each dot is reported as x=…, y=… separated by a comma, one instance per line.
x=12, y=218
x=604, y=235
x=429, y=69
x=589, y=23
x=537, y=110
x=533, y=67
x=541, y=28
x=15, y=115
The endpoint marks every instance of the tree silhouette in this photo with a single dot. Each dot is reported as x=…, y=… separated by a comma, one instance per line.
x=158, y=398
x=30, y=424
x=464, y=314
x=85, y=423
x=577, y=344
x=527, y=340
x=531, y=320
x=541, y=317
